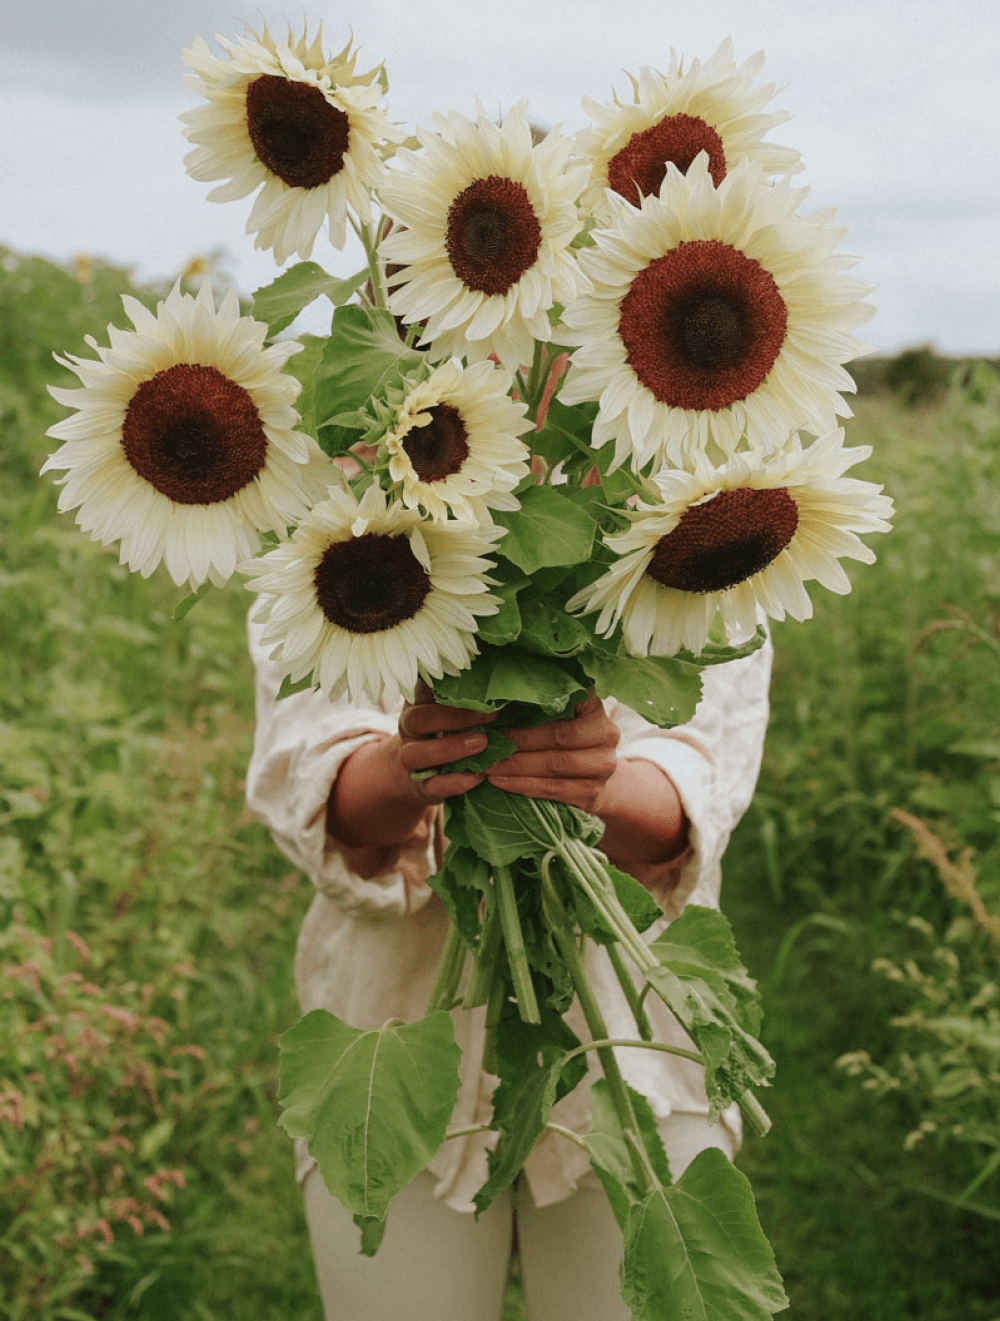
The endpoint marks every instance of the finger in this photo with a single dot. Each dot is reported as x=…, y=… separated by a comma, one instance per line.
x=590, y=704
x=577, y=793
x=440, y=787
x=428, y=719
x=422, y=754
x=590, y=730
x=559, y=764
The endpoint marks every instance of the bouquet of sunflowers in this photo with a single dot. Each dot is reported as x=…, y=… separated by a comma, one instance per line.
x=573, y=429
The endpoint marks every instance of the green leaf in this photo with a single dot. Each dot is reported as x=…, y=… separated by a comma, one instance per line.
x=717, y=652
x=372, y=1232
x=548, y=529
x=696, y=1250
x=187, y=603
x=609, y=1152
x=505, y=625
x=362, y=354
x=468, y=688
x=490, y=822
x=640, y=906
x=547, y=629
x=281, y=301
x=303, y=367
x=521, y=676
x=374, y=1106
x=460, y=884
x=289, y=686
x=701, y=979
x=498, y=746
x=504, y=828
x=530, y=1061
x=662, y=689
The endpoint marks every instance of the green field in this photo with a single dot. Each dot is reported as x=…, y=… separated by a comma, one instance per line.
x=147, y=924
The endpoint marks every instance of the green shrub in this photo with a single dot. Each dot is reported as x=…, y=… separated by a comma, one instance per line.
x=147, y=925
x=917, y=376
x=947, y=1057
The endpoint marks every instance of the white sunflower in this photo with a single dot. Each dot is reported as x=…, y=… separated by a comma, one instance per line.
x=454, y=444
x=713, y=313
x=183, y=446
x=739, y=538
x=303, y=127
x=712, y=107
x=484, y=222
x=368, y=597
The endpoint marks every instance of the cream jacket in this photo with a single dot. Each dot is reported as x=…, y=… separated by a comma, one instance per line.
x=369, y=944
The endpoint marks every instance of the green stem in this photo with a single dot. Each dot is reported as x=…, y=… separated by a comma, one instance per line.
x=468, y=1132
x=477, y=992
x=449, y=971
x=513, y=937
x=494, y=1013
x=639, y=1045
x=631, y=994
x=536, y=377
x=558, y=920
x=565, y=1133
x=589, y=873
x=754, y=1113
x=370, y=244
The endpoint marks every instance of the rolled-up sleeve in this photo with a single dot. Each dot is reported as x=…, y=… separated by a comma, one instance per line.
x=300, y=743
x=713, y=762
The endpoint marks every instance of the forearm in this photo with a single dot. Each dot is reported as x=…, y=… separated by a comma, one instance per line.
x=643, y=816
x=373, y=802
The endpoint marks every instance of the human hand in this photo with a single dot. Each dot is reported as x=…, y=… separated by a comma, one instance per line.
x=570, y=761
x=431, y=734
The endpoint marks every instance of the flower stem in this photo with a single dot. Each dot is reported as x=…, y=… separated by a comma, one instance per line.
x=494, y=1013
x=562, y=931
x=449, y=971
x=513, y=936
x=369, y=242
x=477, y=992
x=565, y=1133
x=631, y=994
x=639, y=1045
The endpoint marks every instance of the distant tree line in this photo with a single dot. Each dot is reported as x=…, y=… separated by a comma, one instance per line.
x=916, y=376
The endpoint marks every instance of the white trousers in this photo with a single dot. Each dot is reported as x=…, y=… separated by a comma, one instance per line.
x=436, y=1264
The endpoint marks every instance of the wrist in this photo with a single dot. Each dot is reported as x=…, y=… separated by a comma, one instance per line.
x=373, y=801
x=643, y=816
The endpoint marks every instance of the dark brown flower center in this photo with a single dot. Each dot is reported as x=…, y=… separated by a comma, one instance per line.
x=639, y=168
x=726, y=540
x=194, y=434
x=439, y=448
x=295, y=131
x=493, y=234
x=370, y=583
x=702, y=325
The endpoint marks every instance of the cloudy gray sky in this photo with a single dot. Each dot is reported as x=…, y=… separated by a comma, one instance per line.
x=894, y=108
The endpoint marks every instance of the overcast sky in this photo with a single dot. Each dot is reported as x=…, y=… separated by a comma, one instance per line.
x=894, y=107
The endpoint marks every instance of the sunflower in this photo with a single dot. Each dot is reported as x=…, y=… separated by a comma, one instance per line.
x=304, y=128
x=367, y=597
x=485, y=222
x=713, y=313
x=739, y=538
x=453, y=443
x=712, y=107
x=183, y=445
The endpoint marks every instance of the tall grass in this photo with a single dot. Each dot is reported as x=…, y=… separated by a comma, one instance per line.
x=873, y=709
x=148, y=926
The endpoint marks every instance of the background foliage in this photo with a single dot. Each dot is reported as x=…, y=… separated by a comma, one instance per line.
x=147, y=925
